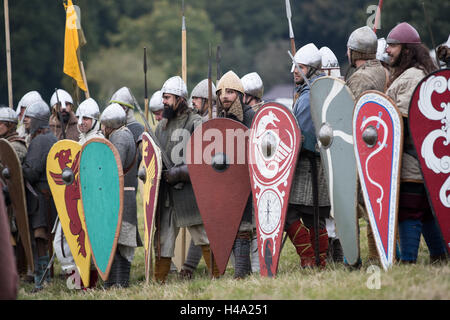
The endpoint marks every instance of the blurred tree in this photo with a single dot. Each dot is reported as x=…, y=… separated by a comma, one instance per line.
x=253, y=37
x=160, y=32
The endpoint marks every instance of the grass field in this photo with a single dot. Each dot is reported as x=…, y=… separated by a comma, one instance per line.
x=337, y=282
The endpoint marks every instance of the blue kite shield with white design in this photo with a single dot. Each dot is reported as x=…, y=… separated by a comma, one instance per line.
x=274, y=146
x=101, y=184
x=378, y=144
x=331, y=110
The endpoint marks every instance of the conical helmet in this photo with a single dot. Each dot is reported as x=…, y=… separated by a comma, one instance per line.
x=175, y=86
x=403, y=33
x=201, y=90
x=363, y=40
x=308, y=55
x=156, y=102
x=381, y=51
x=123, y=96
x=329, y=62
x=113, y=116
x=88, y=109
x=39, y=112
x=253, y=85
x=230, y=80
x=62, y=96
x=7, y=114
x=28, y=99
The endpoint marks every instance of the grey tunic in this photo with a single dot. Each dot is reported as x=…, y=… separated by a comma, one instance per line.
x=173, y=141
x=35, y=172
x=301, y=190
x=123, y=140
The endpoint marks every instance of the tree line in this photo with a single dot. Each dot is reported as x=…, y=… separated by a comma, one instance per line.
x=253, y=36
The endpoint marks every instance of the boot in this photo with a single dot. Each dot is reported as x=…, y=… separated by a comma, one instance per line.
x=409, y=233
x=300, y=238
x=39, y=272
x=206, y=251
x=434, y=241
x=113, y=273
x=335, y=253
x=123, y=276
x=241, y=250
x=190, y=264
x=186, y=274
x=254, y=255
x=323, y=246
x=162, y=267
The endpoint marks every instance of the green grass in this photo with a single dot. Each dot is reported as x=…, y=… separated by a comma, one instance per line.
x=419, y=281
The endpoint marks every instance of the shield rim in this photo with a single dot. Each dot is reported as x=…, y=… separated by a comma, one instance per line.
x=23, y=230
x=279, y=245
x=85, y=276
x=148, y=253
x=222, y=268
x=418, y=86
x=105, y=275
x=322, y=150
x=383, y=257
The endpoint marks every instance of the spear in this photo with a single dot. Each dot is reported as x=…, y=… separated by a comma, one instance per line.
x=218, y=58
x=145, y=84
x=209, y=85
x=184, y=76
x=145, y=88
x=291, y=30
x=183, y=46
x=8, y=53
x=378, y=16
x=431, y=34
x=63, y=129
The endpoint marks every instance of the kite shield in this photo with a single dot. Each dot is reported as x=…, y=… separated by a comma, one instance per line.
x=274, y=146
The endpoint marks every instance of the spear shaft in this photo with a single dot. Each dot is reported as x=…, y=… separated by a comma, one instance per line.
x=431, y=34
x=291, y=30
x=8, y=53
x=183, y=47
x=378, y=16
x=218, y=58
x=209, y=85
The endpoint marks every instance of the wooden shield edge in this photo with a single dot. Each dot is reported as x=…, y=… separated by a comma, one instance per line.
x=385, y=261
x=23, y=228
x=105, y=275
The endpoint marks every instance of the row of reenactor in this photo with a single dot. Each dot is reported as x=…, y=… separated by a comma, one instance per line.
x=34, y=127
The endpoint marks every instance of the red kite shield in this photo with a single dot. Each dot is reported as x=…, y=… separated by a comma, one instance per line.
x=275, y=141
x=217, y=164
x=378, y=144
x=429, y=125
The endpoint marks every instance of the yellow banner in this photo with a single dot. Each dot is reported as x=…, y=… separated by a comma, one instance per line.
x=71, y=44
